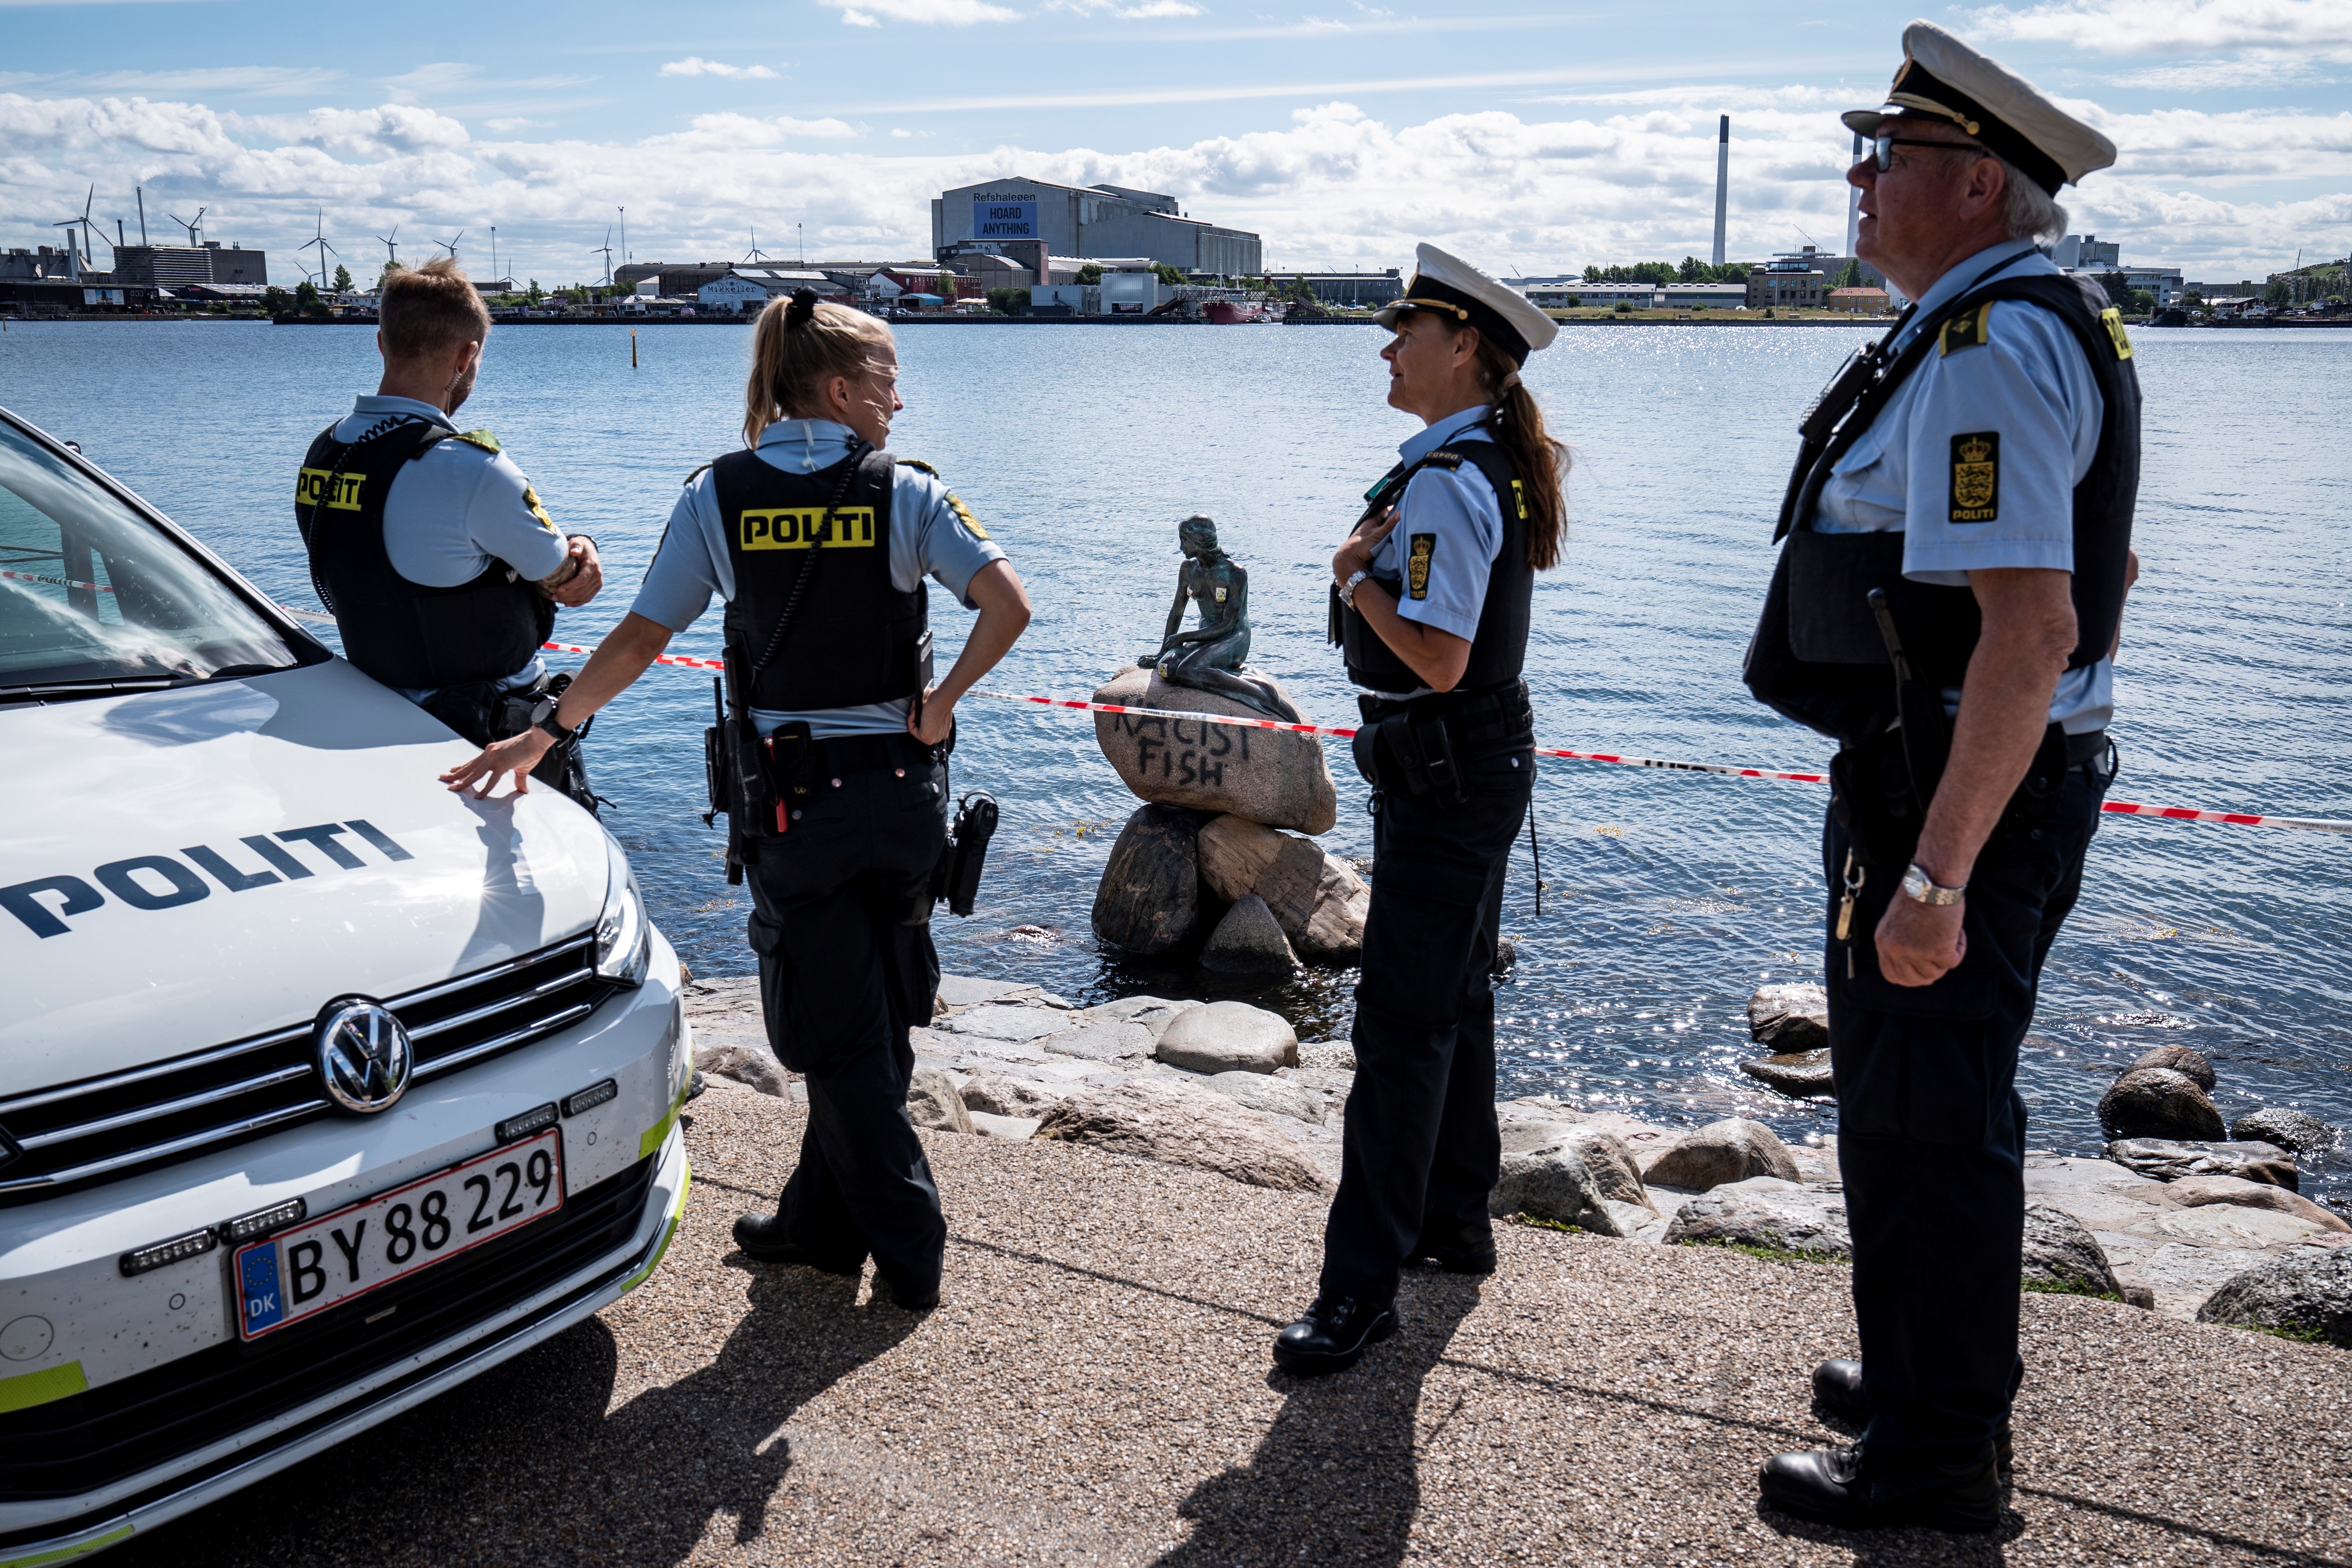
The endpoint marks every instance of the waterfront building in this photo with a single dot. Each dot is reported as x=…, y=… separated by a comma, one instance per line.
x=1787, y=283
x=2087, y=253
x=1361, y=289
x=1861, y=301
x=1032, y=221
x=747, y=289
x=170, y=265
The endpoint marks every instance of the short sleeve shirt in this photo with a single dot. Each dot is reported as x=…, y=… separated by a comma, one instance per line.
x=1450, y=524
x=933, y=534
x=1976, y=458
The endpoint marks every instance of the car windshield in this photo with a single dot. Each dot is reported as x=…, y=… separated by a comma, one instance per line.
x=92, y=592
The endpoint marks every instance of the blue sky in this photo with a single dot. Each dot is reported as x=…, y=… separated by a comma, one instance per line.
x=1525, y=136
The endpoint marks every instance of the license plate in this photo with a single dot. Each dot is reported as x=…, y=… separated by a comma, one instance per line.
x=328, y=1260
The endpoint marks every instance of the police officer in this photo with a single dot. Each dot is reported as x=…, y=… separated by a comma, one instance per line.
x=433, y=551
x=1948, y=607
x=1432, y=594
x=819, y=540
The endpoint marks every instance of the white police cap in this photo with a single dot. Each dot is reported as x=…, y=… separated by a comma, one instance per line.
x=1451, y=286
x=1943, y=78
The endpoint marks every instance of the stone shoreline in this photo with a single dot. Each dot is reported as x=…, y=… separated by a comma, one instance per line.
x=1227, y=1088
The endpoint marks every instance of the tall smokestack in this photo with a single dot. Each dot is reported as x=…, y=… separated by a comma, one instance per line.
x=1853, y=200
x=1722, y=181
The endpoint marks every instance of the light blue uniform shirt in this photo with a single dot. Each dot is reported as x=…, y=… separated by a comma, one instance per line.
x=931, y=535
x=1456, y=509
x=2030, y=386
x=453, y=510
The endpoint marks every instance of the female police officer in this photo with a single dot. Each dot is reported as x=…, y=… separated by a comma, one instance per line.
x=819, y=541
x=1433, y=594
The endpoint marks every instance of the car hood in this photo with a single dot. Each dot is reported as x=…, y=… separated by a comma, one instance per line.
x=181, y=868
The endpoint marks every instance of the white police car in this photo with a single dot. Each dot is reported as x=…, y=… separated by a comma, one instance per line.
x=321, y=1089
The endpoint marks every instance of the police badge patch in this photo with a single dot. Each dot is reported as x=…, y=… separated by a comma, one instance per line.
x=1416, y=570
x=1976, y=477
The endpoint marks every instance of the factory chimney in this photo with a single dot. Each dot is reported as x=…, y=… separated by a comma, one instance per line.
x=1722, y=181
x=1853, y=199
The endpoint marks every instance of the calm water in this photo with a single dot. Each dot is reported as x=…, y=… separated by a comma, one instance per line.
x=1673, y=896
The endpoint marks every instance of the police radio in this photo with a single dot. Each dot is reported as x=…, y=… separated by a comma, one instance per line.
x=956, y=878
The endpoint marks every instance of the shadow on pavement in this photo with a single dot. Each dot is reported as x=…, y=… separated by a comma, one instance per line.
x=1335, y=1480
x=525, y=1465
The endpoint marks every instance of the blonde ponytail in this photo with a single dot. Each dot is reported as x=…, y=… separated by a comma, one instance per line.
x=799, y=345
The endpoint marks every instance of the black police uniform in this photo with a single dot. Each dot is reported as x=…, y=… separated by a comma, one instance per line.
x=838, y=839
x=459, y=642
x=1931, y=1128
x=1451, y=775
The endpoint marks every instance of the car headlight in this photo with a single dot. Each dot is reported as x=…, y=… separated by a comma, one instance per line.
x=623, y=935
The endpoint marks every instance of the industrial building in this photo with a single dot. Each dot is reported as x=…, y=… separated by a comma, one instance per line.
x=170, y=265
x=1032, y=221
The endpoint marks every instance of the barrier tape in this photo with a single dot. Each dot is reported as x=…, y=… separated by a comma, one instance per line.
x=1729, y=770
x=54, y=581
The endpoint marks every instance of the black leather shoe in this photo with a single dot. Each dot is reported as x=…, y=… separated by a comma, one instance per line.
x=1837, y=1388
x=906, y=1300
x=1333, y=1334
x=762, y=1235
x=1468, y=1257
x=1840, y=1487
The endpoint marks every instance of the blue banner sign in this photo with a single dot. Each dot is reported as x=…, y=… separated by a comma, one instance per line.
x=1003, y=220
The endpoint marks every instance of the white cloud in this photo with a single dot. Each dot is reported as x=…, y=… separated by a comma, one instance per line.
x=514, y=122
x=695, y=65
x=933, y=12
x=2212, y=76
x=1335, y=186
x=2176, y=26
x=1123, y=8
x=256, y=81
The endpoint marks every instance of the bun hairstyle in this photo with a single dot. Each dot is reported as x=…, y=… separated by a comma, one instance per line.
x=800, y=344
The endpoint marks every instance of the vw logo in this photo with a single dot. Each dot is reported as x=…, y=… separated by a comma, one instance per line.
x=363, y=1056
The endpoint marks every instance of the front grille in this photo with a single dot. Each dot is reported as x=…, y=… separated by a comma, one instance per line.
x=98, y=1437
x=101, y=1127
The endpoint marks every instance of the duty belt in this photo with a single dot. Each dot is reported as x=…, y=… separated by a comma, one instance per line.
x=847, y=755
x=1420, y=745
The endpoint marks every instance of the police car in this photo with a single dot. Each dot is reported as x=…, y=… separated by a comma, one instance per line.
x=321, y=1089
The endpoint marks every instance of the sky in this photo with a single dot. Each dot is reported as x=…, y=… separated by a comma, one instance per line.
x=1528, y=138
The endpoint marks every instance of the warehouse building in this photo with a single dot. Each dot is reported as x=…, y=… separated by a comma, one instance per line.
x=1032, y=221
x=171, y=266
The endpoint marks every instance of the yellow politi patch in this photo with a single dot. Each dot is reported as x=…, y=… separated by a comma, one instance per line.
x=804, y=528
x=1519, y=496
x=310, y=489
x=1416, y=568
x=1976, y=477
x=2113, y=320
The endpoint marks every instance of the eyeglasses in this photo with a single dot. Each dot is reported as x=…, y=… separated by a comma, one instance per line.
x=1883, y=149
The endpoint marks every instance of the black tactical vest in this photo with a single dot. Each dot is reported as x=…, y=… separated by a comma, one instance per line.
x=1818, y=654
x=853, y=638
x=1499, y=647
x=402, y=633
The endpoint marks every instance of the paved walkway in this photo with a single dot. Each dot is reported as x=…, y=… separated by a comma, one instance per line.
x=1097, y=1389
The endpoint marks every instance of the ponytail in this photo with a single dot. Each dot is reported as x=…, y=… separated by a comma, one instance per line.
x=1542, y=461
x=800, y=344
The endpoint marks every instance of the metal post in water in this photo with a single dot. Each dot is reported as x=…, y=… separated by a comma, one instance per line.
x=632, y=348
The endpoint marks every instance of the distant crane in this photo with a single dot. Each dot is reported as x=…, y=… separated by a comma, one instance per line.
x=82, y=223
x=319, y=241
x=391, y=245
x=451, y=245
x=195, y=226
x=606, y=248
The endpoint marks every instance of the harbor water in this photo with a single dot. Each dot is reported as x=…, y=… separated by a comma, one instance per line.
x=1671, y=896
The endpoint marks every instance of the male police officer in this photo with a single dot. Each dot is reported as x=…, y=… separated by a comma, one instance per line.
x=1947, y=606
x=441, y=566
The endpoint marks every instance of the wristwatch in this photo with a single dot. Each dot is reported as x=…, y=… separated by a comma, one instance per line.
x=542, y=718
x=1348, y=589
x=1921, y=888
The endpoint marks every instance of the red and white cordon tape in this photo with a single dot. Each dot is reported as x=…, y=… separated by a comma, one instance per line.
x=2115, y=807
x=55, y=581
x=1788, y=775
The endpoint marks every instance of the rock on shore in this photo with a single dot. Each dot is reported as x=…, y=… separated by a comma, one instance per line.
x=1153, y=1119
x=1317, y=900
x=2168, y=1160
x=1720, y=1152
x=1227, y=1036
x=1272, y=777
x=1148, y=899
x=2159, y=1103
x=2296, y=1132
x=1790, y=1018
x=2309, y=1295
x=1580, y=1176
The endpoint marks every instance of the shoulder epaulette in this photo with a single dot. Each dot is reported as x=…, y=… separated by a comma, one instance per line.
x=1442, y=459
x=919, y=463
x=699, y=472
x=1970, y=330
x=482, y=439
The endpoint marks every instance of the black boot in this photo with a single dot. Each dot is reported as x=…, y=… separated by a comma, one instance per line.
x=1842, y=1488
x=1468, y=1252
x=762, y=1235
x=1333, y=1334
x=1837, y=1388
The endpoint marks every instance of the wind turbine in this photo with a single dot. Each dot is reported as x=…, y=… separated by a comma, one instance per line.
x=319, y=241
x=195, y=226
x=451, y=245
x=82, y=223
x=755, y=253
x=391, y=247
x=606, y=248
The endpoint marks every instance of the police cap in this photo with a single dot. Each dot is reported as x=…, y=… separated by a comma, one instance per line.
x=1943, y=78
x=1450, y=286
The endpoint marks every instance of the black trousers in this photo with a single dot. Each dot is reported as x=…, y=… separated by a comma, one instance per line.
x=1420, y=1150
x=1931, y=1132
x=841, y=924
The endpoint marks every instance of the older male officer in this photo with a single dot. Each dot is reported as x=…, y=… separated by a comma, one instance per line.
x=1948, y=607
x=429, y=545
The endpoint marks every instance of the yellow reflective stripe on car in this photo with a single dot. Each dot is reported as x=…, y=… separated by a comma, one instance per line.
x=660, y=1129
x=115, y=1537
x=22, y=1393
x=670, y=1234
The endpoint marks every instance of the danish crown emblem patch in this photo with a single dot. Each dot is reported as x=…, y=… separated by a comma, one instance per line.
x=1976, y=477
